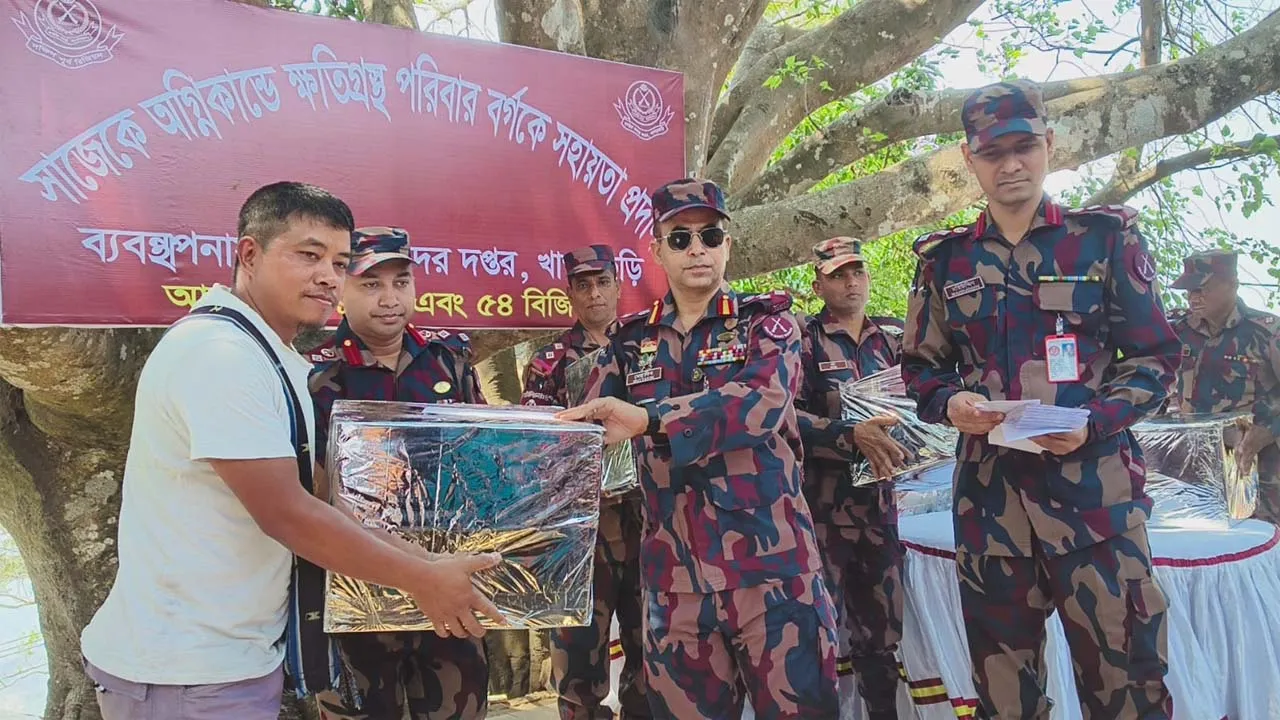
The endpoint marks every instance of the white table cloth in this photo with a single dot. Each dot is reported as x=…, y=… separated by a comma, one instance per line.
x=1223, y=588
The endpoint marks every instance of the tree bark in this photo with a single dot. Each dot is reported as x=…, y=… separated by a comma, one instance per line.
x=858, y=47
x=1112, y=114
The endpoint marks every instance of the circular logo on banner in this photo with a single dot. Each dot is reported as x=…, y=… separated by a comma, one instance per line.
x=643, y=112
x=68, y=32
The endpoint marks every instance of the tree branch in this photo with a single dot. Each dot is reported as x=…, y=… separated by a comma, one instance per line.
x=766, y=38
x=860, y=46
x=1116, y=113
x=1124, y=186
x=897, y=117
x=1152, y=31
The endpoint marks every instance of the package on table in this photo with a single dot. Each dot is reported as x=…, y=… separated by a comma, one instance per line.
x=1191, y=468
x=884, y=393
x=470, y=478
x=620, y=474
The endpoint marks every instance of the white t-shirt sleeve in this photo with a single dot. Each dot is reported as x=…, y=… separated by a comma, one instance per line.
x=232, y=401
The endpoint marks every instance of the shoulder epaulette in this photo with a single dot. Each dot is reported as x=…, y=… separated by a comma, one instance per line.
x=890, y=325
x=323, y=353
x=925, y=244
x=1261, y=317
x=1121, y=216
x=772, y=302
x=631, y=318
x=458, y=343
x=548, y=357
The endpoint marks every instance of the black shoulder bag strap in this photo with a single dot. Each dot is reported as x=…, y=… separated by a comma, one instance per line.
x=309, y=656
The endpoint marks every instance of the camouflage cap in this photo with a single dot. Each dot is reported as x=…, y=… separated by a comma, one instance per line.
x=686, y=194
x=1197, y=268
x=372, y=246
x=1002, y=108
x=592, y=258
x=835, y=253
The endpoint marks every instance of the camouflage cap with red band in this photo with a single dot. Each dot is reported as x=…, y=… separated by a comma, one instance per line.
x=1016, y=106
x=1197, y=268
x=375, y=245
x=686, y=194
x=592, y=258
x=835, y=253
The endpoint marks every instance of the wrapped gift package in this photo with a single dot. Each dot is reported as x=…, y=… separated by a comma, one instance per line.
x=1192, y=460
x=884, y=393
x=470, y=478
x=620, y=475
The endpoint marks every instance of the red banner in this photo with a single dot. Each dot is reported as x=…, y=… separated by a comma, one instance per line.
x=132, y=130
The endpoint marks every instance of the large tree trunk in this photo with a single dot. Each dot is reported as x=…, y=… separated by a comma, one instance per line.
x=65, y=414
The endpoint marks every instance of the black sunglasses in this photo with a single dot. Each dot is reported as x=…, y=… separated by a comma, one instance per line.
x=710, y=237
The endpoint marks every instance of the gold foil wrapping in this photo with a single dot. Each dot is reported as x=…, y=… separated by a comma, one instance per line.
x=470, y=478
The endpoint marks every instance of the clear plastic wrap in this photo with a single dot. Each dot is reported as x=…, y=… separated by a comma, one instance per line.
x=1191, y=468
x=620, y=474
x=470, y=478
x=884, y=393
x=926, y=491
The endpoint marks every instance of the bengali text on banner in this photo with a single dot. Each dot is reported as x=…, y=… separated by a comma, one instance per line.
x=134, y=129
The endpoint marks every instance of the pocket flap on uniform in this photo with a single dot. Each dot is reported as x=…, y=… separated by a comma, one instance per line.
x=1081, y=298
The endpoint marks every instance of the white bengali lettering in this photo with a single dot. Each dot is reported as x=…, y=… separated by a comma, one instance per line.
x=637, y=205
x=159, y=248
x=359, y=82
x=429, y=257
x=73, y=168
x=428, y=89
x=629, y=266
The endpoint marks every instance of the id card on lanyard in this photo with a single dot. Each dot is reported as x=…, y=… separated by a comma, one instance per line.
x=1062, y=356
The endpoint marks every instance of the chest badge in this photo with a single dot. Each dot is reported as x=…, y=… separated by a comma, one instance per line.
x=725, y=338
x=834, y=366
x=644, y=376
x=442, y=387
x=964, y=287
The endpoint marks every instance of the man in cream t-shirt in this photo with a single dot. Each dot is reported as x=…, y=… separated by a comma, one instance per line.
x=213, y=508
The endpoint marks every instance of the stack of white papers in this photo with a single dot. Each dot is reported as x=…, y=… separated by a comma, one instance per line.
x=1025, y=419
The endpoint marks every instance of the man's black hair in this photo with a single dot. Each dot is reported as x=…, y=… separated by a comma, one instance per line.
x=266, y=214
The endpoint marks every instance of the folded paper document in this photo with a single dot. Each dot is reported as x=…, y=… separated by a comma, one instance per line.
x=1026, y=419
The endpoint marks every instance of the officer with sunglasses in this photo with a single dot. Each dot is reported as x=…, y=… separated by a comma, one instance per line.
x=705, y=380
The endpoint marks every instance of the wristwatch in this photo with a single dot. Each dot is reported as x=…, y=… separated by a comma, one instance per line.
x=654, y=427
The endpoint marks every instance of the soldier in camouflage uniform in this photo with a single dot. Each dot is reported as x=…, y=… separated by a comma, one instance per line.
x=375, y=354
x=580, y=656
x=1231, y=361
x=705, y=381
x=857, y=526
x=1034, y=301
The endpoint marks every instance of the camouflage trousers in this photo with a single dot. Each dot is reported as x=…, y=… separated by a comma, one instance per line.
x=1113, y=613
x=864, y=573
x=580, y=656
x=431, y=677
x=1269, y=485
x=777, y=641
